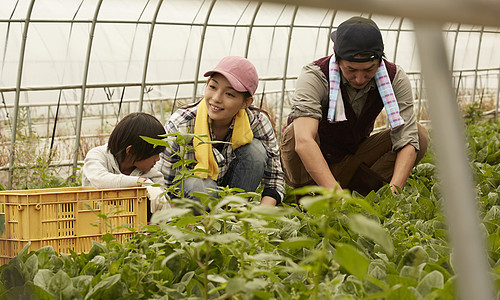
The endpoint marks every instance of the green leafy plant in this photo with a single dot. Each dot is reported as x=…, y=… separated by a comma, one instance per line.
x=337, y=246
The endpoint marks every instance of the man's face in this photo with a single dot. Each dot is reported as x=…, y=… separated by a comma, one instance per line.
x=358, y=74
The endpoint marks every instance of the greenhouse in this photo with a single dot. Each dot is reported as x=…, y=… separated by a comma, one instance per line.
x=71, y=70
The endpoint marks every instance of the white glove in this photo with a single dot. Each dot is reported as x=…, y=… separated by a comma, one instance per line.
x=158, y=201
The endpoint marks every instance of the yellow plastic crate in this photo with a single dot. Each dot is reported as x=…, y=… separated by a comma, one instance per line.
x=58, y=217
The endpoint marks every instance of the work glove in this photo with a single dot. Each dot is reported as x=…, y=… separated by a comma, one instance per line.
x=159, y=199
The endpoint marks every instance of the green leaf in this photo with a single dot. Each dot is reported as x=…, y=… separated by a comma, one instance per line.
x=82, y=283
x=316, y=205
x=167, y=214
x=156, y=142
x=24, y=251
x=399, y=280
x=235, y=285
x=372, y=230
x=432, y=280
x=266, y=210
x=225, y=238
x=231, y=200
x=352, y=260
x=402, y=292
x=14, y=274
x=42, y=278
x=216, y=278
x=28, y=291
x=2, y=224
x=415, y=256
x=32, y=265
x=102, y=286
x=47, y=249
x=299, y=242
x=61, y=285
x=107, y=237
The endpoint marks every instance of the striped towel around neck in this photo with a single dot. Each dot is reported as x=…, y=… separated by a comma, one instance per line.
x=336, y=111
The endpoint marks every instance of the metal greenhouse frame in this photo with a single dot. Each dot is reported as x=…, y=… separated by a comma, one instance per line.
x=429, y=19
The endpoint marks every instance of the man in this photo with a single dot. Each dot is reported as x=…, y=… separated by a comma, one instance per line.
x=336, y=102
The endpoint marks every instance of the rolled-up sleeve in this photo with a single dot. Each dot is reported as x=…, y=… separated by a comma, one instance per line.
x=408, y=133
x=311, y=90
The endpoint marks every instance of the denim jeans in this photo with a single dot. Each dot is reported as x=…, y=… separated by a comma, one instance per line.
x=245, y=171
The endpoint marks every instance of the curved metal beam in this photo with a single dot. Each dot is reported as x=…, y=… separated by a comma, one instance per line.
x=480, y=12
x=148, y=52
x=79, y=117
x=250, y=28
x=200, y=50
x=396, y=46
x=18, y=90
x=328, y=49
x=477, y=64
x=285, y=71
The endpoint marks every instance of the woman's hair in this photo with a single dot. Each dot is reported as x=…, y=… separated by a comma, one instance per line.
x=129, y=131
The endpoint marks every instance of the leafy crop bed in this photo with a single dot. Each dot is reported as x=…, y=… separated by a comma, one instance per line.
x=384, y=246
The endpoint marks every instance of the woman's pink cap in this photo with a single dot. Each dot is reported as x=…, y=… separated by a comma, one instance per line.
x=240, y=73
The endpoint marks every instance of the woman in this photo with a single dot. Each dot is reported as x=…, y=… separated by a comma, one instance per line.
x=249, y=156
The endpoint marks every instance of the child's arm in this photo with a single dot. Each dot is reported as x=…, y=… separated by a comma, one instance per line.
x=101, y=171
x=272, y=182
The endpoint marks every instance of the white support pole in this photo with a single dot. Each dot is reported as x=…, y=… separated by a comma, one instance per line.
x=285, y=71
x=461, y=209
x=18, y=91
x=79, y=114
x=148, y=52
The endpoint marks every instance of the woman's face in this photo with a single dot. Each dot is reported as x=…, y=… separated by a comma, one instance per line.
x=223, y=102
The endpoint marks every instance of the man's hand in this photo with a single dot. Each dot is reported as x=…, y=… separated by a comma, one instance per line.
x=305, y=131
x=405, y=159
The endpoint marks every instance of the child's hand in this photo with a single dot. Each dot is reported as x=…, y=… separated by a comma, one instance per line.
x=157, y=196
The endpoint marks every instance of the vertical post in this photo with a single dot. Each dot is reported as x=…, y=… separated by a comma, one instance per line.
x=48, y=120
x=102, y=117
x=200, y=49
x=453, y=53
x=146, y=58
x=477, y=64
x=460, y=204
x=18, y=91
x=250, y=28
x=328, y=47
x=397, y=39
x=79, y=116
x=162, y=115
x=30, y=124
x=498, y=96
x=421, y=92
x=285, y=71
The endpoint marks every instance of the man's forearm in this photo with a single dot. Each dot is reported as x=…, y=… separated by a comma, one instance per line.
x=405, y=160
x=316, y=165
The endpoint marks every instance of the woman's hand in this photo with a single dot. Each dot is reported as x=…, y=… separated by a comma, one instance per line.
x=266, y=200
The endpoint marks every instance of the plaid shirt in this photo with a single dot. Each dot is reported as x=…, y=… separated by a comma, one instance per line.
x=183, y=120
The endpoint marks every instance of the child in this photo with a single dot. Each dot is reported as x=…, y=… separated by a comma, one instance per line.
x=128, y=160
x=226, y=114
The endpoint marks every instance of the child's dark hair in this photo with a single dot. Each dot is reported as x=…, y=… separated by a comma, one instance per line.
x=129, y=131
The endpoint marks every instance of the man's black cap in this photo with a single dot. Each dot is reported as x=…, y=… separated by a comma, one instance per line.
x=358, y=35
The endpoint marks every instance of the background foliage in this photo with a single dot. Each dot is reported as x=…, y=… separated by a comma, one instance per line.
x=332, y=246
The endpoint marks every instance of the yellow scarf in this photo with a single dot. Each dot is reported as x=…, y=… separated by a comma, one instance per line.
x=242, y=135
